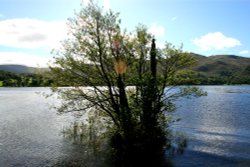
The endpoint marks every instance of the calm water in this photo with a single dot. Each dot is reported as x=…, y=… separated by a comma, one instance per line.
x=218, y=128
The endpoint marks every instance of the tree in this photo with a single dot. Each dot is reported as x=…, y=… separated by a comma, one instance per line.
x=131, y=83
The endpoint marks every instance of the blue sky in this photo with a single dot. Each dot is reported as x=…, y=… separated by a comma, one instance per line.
x=30, y=29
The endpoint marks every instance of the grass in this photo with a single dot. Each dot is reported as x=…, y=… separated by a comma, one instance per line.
x=1, y=83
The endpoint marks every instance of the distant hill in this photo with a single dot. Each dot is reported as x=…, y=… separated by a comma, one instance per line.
x=218, y=69
x=220, y=65
x=23, y=76
x=19, y=69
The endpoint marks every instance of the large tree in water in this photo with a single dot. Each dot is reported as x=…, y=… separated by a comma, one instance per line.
x=123, y=80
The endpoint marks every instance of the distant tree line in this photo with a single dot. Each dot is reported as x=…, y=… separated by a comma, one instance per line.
x=185, y=77
x=227, y=78
x=9, y=79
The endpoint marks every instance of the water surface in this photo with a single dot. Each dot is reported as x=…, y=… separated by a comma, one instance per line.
x=217, y=126
x=30, y=130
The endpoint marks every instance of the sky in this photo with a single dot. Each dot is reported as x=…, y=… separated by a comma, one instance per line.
x=31, y=29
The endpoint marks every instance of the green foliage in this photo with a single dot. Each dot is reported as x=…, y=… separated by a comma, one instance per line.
x=139, y=85
x=9, y=79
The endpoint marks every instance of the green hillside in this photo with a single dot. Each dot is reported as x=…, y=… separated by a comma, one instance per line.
x=229, y=69
x=215, y=65
x=22, y=76
x=20, y=69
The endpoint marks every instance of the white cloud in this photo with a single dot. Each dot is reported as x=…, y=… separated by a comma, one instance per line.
x=32, y=33
x=173, y=18
x=23, y=59
x=243, y=52
x=215, y=41
x=157, y=30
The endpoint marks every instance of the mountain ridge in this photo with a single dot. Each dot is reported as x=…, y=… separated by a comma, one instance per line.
x=20, y=69
x=217, y=64
x=216, y=69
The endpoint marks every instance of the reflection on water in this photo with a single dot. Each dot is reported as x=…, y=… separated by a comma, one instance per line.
x=217, y=126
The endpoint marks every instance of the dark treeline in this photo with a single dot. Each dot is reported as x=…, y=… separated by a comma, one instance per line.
x=199, y=79
x=9, y=79
x=217, y=80
x=186, y=77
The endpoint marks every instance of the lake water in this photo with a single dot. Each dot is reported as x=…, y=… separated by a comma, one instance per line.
x=30, y=131
x=217, y=126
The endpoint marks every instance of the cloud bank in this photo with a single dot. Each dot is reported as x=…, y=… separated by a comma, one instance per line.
x=31, y=33
x=157, y=30
x=215, y=41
